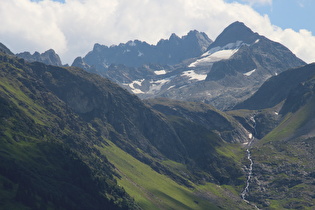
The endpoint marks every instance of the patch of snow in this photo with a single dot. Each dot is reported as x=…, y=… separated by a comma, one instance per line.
x=257, y=41
x=230, y=46
x=160, y=72
x=250, y=135
x=194, y=76
x=170, y=87
x=249, y=73
x=157, y=85
x=135, y=89
x=223, y=54
x=140, y=54
x=218, y=53
x=214, y=57
x=276, y=113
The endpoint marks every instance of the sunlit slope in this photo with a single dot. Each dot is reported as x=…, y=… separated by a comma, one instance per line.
x=152, y=190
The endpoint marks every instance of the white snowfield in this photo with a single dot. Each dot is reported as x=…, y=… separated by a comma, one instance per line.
x=160, y=72
x=154, y=87
x=135, y=89
x=217, y=56
x=249, y=73
x=217, y=53
x=194, y=76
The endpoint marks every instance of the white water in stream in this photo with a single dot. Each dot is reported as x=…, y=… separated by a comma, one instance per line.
x=249, y=176
x=250, y=168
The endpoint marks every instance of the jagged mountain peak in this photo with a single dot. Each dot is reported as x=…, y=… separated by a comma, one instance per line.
x=137, y=53
x=174, y=37
x=49, y=57
x=79, y=62
x=191, y=35
x=193, y=32
x=235, y=32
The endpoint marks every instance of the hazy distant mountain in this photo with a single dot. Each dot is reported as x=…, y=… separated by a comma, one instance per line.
x=137, y=53
x=49, y=57
x=232, y=69
x=234, y=66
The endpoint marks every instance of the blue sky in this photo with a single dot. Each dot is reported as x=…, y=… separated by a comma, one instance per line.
x=295, y=14
x=72, y=27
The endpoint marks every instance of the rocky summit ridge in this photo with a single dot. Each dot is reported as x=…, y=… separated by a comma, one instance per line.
x=229, y=71
x=137, y=53
x=49, y=57
x=222, y=73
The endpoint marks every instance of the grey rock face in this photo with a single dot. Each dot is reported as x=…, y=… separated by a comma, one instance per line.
x=49, y=57
x=191, y=68
x=237, y=31
x=284, y=83
x=236, y=64
x=137, y=53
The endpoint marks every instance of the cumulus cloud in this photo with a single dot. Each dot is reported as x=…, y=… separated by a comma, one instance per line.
x=73, y=27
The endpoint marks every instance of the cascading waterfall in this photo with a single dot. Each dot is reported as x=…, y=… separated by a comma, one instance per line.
x=250, y=168
x=249, y=176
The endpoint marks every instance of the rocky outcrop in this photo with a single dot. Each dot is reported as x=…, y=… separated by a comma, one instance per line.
x=203, y=115
x=49, y=57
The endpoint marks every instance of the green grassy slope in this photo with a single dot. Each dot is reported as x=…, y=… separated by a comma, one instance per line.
x=46, y=158
x=153, y=190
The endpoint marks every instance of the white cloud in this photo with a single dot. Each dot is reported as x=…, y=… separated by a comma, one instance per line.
x=72, y=28
x=302, y=43
x=258, y=2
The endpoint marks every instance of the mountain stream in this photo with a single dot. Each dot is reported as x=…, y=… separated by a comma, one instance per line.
x=250, y=168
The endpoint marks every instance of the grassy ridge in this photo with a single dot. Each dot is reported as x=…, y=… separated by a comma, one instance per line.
x=152, y=190
x=149, y=188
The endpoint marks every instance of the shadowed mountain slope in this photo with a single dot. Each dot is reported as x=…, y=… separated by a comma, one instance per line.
x=283, y=170
x=277, y=88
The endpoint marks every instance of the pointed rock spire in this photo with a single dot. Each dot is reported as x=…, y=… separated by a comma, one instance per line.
x=237, y=31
